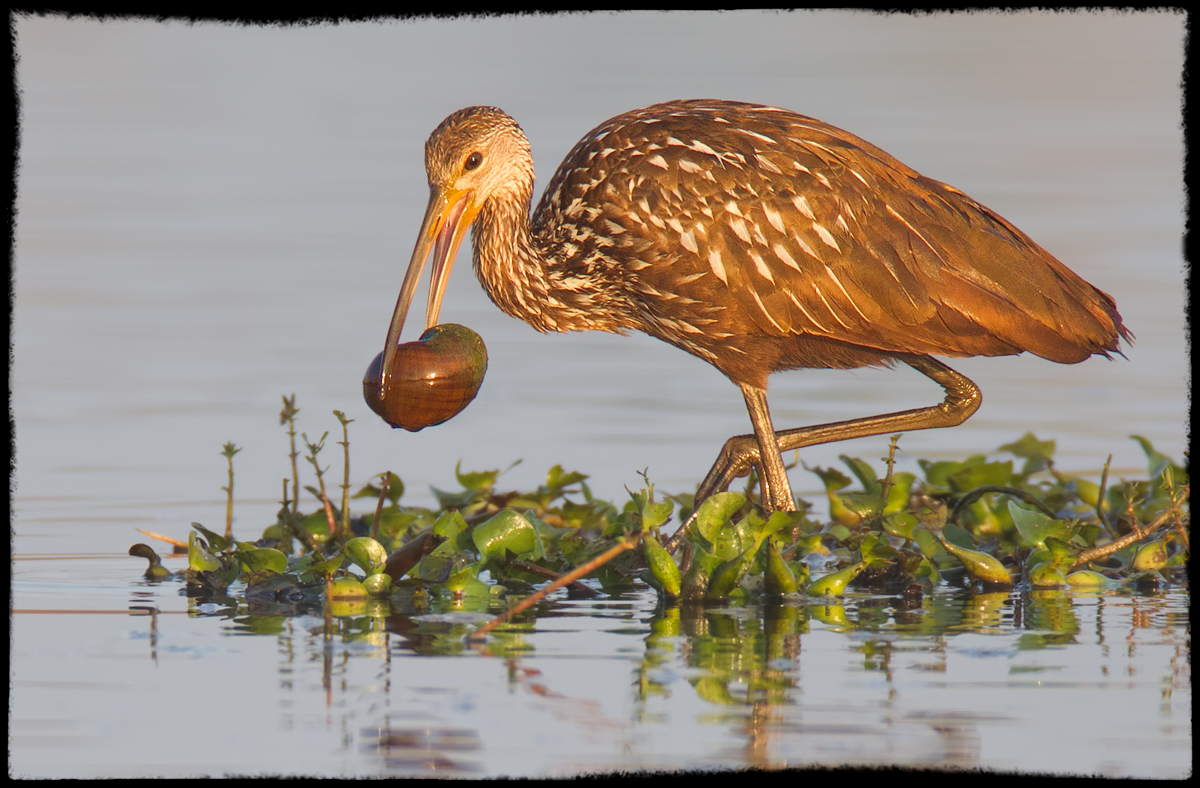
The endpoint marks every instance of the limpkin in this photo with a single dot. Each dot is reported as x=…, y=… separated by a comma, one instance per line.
x=759, y=240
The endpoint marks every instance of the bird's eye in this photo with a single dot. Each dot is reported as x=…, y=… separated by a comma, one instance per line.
x=473, y=161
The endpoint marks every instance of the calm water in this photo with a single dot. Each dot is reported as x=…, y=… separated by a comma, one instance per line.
x=211, y=216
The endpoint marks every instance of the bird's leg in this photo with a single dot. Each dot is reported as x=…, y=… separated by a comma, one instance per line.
x=776, y=492
x=742, y=451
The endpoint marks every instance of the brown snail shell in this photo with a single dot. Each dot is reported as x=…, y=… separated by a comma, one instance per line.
x=431, y=380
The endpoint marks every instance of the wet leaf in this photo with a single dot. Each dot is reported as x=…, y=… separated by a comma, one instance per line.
x=715, y=511
x=264, y=559
x=982, y=566
x=366, y=553
x=378, y=584
x=508, y=530
x=662, y=566
x=834, y=584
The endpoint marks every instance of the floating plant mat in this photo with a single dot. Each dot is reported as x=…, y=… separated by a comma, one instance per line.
x=969, y=579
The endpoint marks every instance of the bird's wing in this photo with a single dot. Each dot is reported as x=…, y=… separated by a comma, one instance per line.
x=805, y=229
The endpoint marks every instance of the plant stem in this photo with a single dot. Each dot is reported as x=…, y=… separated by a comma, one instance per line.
x=288, y=415
x=228, y=450
x=345, y=443
x=628, y=543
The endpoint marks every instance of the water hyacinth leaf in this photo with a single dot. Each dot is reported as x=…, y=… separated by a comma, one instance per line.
x=366, y=553
x=930, y=546
x=981, y=475
x=834, y=584
x=899, y=492
x=957, y=536
x=451, y=525
x=1062, y=553
x=325, y=568
x=1047, y=575
x=812, y=544
x=1158, y=462
x=839, y=532
x=900, y=524
x=507, y=530
x=655, y=514
x=875, y=546
x=394, y=493
x=317, y=524
x=463, y=499
x=378, y=584
x=155, y=571
x=264, y=559
x=1152, y=555
x=1034, y=526
x=852, y=508
x=216, y=542
x=726, y=577
x=832, y=478
x=557, y=480
x=347, y=588
x=864, y=472
x=1037, y=454
x=199, y=558
x=475, y=481
x=662, y=566
x=937, y=474
x=1086, y=578
x=694, y=584
x=927, y=574
x=458, y=579
x=981, y=566
x=778, y=579
x=713, y=513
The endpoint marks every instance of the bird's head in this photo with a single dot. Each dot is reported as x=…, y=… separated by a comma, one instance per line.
x=475, y=155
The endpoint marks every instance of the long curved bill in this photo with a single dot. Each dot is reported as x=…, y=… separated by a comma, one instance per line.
x=449, y=214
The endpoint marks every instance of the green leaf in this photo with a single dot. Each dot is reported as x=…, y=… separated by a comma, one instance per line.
x=507, y=530
x=864, y=472
x=714, y=512
x=1034, y=526
x=264, y=559
x=366, y=553
x=1037, y=454
x=199, y=558
x=557, y=480
x=453, y=527
x=900, y=524
x=216, y=542
x=478, y=480
x=937, y=474
x=395, y=490
x=324, y=568
x=832, y=478
x=967, y=479
x=899, y=492
x=929, y=544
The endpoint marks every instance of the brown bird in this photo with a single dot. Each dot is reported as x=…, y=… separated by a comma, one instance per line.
x=759, y=240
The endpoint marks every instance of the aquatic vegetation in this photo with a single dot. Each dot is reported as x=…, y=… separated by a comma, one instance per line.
x=980, y=522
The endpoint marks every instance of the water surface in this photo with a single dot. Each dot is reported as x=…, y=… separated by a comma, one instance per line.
x=210, y=216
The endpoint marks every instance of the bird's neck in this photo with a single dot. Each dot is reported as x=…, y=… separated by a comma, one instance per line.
x=531, y=277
